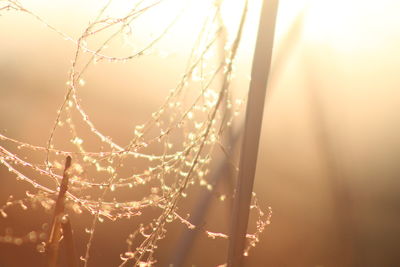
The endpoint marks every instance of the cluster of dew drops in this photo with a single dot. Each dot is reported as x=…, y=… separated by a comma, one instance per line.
x=175, y=144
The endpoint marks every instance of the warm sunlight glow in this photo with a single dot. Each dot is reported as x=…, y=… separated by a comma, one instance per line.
x=344, y=24
x=124, y=127
x=191, y=15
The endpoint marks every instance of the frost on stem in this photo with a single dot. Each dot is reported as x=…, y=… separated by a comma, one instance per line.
x=182, y=134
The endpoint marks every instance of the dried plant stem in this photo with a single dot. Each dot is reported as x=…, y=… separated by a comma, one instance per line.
x=55, y=234
x=254, y=114
x=69, y=242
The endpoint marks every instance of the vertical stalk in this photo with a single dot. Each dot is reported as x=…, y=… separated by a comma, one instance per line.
x=55, y=234
x=69, y=242
x=254, y=114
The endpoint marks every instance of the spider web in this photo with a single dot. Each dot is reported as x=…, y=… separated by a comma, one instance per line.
x=175, y=144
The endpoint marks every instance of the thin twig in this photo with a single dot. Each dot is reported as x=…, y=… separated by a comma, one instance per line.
x=186, y=242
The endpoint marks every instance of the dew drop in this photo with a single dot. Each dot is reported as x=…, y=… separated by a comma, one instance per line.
x=32, y=236
x=18, y=241
x=45, y=226
x=64, y=219
x=41, y=248
x=3, y=213
x=23, y=206
x=43, y=236
x=77, y=141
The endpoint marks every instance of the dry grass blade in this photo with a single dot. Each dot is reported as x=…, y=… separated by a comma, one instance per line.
x=69, y=242
x=55, y=234
x=254, y=114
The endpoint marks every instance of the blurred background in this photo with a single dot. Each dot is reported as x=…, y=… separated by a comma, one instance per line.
x=328, y=158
